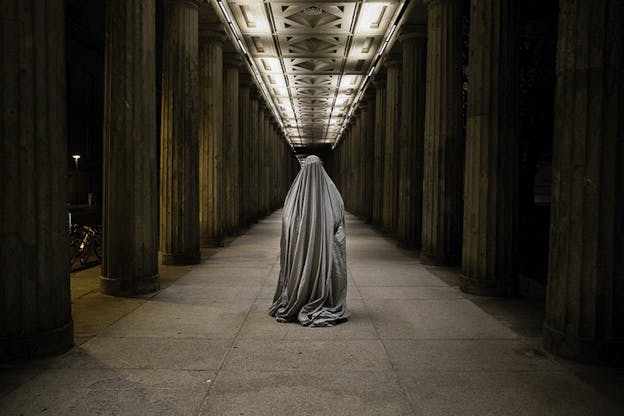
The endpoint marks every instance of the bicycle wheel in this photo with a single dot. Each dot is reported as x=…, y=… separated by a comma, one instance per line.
x=85, y=253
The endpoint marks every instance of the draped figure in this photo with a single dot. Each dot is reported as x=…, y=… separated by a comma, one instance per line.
x=312, y=285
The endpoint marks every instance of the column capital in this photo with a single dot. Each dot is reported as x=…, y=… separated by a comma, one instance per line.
x=232, y=60
x=255, y=94
x=430, y=3
x=393, y=61
x=244, y=78
x=380, y=80
x=210, y=32
x=189, y=3
x=413, y=34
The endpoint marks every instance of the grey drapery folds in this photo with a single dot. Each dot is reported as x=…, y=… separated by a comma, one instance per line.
x=312, y=286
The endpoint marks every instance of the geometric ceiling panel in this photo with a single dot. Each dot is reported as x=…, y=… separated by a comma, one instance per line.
x=312, y=17
x=317, y=45
x=313, y=57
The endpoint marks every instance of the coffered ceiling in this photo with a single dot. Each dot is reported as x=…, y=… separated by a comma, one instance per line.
x=312, y=58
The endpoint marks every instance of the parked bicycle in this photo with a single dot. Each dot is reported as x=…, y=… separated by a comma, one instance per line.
x=85, y=241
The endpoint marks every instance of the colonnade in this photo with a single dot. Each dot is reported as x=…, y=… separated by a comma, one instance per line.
x=219, y=164
x=408, y=162
x=456, y=197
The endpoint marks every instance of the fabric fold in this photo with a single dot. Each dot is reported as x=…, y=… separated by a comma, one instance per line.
x=312, y=284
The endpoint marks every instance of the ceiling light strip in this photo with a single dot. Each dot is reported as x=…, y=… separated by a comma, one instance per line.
x=373, y=68
x=261, y=84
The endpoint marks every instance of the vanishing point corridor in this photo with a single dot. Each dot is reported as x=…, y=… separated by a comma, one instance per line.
x=204, y=345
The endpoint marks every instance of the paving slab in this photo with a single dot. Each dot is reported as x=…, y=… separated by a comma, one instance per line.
x=335, y=355
x=205, y=345
x=322, y=393
x=503, y=393
x=109, y=392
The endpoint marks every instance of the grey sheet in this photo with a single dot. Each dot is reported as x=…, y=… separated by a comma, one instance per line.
x=312, y=285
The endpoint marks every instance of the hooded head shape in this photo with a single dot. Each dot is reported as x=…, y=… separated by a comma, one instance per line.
x=312, y=284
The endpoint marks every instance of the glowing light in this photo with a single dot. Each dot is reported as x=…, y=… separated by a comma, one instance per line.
x=371, y=16
x=224, y=11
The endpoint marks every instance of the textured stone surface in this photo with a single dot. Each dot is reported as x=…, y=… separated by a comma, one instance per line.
x=211, y=141
x=205, y=345
x=411, y=140
x=179, y=164
x=584, y=314
x=443, y=155
x=491, y=149
x=130, y=214
x=392, y=123
x=35, y=315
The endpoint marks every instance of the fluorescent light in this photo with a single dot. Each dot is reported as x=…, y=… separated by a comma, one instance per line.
x=224, y=11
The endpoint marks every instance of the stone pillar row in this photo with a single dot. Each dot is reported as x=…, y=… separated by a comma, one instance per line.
x=401, y=164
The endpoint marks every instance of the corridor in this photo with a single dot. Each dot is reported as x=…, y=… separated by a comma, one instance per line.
x=204, y=345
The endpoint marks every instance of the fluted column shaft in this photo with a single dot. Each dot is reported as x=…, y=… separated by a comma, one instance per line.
x=362, y=159
x=491, y=149
x=130, y=209
x=261, y=156
x=211, y=141
x=443, y=154
x=179, y=170
x=267, y=163
x=585, y=293
x=391, y=146
x=253, y=157
x=35, y=316
x=244, y=150
x=368, y=133
x=380, y=133
x=413, y=82
x=231, y=146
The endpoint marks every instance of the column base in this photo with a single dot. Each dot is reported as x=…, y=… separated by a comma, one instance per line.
x=434, y=260
x=480, y=287
x=124, y=288
x=180, y=259
x=408, y=245
x=51, y=342
x=213, y=242
x=581, y=349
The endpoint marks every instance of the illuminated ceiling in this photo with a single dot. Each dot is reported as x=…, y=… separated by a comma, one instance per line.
x=312, y=59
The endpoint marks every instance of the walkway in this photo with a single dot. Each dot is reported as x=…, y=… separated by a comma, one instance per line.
x=204, y=345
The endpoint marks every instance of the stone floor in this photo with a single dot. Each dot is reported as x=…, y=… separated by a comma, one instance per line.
x=204, y=345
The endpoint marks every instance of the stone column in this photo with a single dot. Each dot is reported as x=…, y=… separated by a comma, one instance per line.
x=130, y=209
x=491, y=149
x=409, y=222
x=585, y=294
x=244, y=149
x=230, y=144
x=369, y=154
x=266, y=162
x=260, y=157
x=253, y=155
x=211, y=175
x=361, y=146
x=391, y=145
x=380, y=133
x=35, y=309
x=179, y=170
x=443, y=154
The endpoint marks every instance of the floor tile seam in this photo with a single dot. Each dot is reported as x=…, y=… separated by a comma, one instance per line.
x=404, y=391
x=431, y=339
x=307, y=340
x=166, y=337
x=38, y=372
x=116, y=368
x=228, y=352
x=89, y=292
